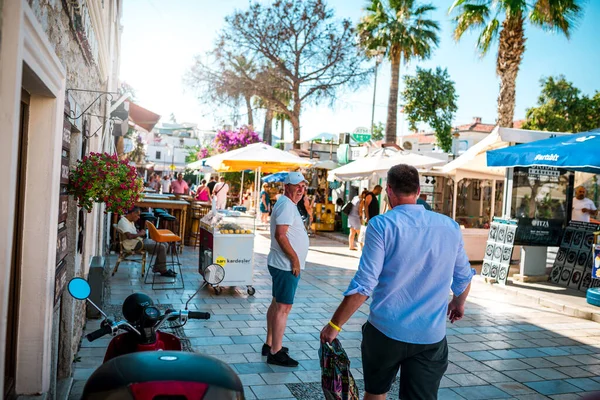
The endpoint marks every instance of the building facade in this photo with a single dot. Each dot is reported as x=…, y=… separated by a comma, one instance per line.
x=58, y=59
x=170, y=143
x=468, y=134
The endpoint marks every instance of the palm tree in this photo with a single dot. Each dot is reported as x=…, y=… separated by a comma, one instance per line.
x=401, y=27
x=505, y=20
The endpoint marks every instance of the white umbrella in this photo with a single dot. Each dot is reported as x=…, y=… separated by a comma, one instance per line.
x=200, y=166
x=327, y=164
x=257, y=155
x=378, y=163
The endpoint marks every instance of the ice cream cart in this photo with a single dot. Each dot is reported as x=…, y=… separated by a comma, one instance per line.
x=228, y=240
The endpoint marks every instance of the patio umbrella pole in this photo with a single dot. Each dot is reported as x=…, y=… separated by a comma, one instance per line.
x=454, y=198
x=242, y=188
x=493, y=206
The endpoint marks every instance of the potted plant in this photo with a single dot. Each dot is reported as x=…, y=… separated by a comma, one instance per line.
x=103, y=178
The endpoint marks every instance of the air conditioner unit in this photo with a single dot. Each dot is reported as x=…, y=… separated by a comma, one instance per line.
x=344, y=138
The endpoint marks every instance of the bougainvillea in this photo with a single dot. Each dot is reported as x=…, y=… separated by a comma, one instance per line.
x=103, y=178
x=230, y=140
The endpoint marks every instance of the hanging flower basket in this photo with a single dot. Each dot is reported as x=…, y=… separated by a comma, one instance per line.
x=102, y=178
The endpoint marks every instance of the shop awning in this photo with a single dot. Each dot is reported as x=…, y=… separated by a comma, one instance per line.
x=576, y=152
x=473, y=163
x=142, y=117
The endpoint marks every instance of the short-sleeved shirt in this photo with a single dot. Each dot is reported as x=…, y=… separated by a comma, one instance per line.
x=126, y=226
x=211, y=186
x=285, y=212
x=179, y=187
x=165, y=183
x=578, y=205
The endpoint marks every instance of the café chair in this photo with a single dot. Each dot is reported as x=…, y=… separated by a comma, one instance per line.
x=137, y=256
x=170, y=239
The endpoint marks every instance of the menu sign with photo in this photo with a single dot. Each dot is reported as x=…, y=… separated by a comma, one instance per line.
x=499, y=248
x=574, y=263
x=540, y=200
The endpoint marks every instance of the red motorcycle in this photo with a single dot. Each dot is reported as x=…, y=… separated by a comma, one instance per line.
x=144, y=363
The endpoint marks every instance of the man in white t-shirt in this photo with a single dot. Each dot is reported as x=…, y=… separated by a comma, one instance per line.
x=287, y=257
x=136, y=240
x=583, y=207
x=165, y=184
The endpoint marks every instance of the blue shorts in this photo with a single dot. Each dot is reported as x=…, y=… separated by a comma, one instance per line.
x=284, y=285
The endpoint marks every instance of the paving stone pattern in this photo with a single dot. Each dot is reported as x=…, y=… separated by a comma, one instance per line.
x=503, y=348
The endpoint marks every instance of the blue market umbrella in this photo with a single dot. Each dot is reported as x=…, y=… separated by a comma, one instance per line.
x=577, y=152
x=278, y=177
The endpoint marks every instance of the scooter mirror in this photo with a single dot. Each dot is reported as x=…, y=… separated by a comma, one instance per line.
x=214, y=274
x=79, y=288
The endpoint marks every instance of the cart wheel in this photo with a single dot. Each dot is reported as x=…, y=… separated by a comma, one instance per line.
x=251, y=290
x=218, y=290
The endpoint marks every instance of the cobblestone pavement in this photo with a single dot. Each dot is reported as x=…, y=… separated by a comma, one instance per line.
x=503, y=348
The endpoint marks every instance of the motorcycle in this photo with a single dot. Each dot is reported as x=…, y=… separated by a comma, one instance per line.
x=146, y=363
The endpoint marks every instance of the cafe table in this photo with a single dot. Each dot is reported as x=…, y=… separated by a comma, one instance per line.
x=169, y=204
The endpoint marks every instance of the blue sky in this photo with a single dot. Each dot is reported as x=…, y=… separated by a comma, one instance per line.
x=161, y=37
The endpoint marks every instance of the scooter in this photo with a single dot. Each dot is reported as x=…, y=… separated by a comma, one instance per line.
x=146, y=363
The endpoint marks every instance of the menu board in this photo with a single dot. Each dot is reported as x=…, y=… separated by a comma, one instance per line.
x=498, y=250
x=62, y=248
x=575, y=258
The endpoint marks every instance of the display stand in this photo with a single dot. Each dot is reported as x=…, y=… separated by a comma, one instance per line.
x=575, y=258
x=498, y=252
x=324, y=219
x=231, y=245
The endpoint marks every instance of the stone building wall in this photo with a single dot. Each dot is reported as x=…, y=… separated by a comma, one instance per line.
x=81, y=74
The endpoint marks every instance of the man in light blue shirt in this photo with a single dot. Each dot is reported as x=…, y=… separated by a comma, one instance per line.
x=410, y=262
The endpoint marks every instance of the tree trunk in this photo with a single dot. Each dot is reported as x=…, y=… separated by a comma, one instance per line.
x=295, y=118
x=392, y=114
x=249, y=110
x=510, y=54
x=283, y=127
x=296, y=130
x=268, y=129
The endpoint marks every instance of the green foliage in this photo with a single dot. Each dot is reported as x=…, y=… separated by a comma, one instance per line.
x=401, y=28
x=234, y=180
x=563, y=108
x=486, y=17
x=430, y=97
x=103, y=178
x=378, y=130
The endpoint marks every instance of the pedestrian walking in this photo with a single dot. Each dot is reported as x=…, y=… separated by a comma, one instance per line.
x=220, y=191
x=354, y=222
x=371, y=207
x=411, y=260
x=287, y=257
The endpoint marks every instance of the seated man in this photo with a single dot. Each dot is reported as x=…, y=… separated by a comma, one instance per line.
x=136, y=241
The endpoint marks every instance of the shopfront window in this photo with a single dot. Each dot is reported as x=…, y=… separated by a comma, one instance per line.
x=540, y=201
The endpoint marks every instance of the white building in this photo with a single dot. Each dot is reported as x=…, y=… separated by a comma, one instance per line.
x=170, y=143
x=55, y=59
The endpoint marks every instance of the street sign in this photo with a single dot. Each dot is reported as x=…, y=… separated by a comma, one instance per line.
x=361, y=135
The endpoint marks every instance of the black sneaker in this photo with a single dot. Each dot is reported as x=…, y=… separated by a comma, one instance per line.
x=281, y=358
x=168, y=274
x=266, y=349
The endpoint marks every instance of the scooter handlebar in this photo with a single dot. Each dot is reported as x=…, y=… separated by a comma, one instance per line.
x=198, y=315
x=105, y=330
